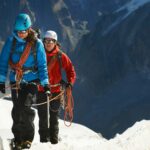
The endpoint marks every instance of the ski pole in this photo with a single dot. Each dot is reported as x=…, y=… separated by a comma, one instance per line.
x=48, y=116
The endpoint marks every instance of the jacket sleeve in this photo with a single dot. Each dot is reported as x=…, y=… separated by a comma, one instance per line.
x=4, y=59
x=42, y=63
x=69, y=68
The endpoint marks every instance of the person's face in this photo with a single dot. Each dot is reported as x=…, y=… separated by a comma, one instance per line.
x=22, y=34
x=49, y=44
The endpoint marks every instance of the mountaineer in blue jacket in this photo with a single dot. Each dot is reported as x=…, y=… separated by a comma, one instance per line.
x=24, y=53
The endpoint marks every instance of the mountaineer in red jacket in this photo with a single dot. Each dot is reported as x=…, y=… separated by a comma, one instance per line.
x=56, y=62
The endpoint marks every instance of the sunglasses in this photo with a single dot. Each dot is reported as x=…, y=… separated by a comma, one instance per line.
x=22, y=32
x=49, y=41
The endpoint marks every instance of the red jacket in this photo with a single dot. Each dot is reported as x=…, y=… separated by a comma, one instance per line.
x=54, y=70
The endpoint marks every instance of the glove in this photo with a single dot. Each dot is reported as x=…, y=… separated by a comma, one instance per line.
x=69, y=85
x=2, y=87
x=47, y=90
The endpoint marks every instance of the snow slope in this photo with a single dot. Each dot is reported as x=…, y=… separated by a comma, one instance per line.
x=74, y=137
x=78, y=137
x=134, y=138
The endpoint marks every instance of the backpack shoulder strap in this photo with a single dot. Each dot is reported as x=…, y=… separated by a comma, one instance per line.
x=13, y=45
x=34, y=52
x=59, y=57
x=12, y=48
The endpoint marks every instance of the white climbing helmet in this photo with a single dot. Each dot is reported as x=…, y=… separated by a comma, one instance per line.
x=51, y=34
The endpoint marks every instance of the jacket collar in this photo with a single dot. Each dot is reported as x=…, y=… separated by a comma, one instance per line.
x=18, y=39
x=53, y=52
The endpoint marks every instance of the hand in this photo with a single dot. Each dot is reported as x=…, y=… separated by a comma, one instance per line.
x=2, y=87
x=47, y=90
x=69, y=85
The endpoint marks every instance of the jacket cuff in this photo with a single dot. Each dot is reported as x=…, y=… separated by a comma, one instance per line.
x=44, y=82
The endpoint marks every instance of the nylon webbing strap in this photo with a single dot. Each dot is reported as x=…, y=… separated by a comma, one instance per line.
x=59, y=56
x=13, y=46
x=34, y=52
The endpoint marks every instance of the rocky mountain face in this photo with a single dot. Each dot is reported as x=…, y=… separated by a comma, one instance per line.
x=70, y=18
x=114, y=71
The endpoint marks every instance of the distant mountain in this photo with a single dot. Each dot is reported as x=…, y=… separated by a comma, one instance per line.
x=114, y=70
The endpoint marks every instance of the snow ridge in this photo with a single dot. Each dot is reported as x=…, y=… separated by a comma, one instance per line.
x=132, y=6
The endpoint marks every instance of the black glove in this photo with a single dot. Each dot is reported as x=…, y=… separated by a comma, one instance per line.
x=2, y=87
x=47, y=90
x=69, y=85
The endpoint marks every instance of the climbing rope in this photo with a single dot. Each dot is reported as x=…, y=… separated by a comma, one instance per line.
x=50, y=99
x=18, y=67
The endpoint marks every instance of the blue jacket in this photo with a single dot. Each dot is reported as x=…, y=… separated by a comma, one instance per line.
x=41, y=72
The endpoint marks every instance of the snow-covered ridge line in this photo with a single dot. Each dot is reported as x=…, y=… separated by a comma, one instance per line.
x=132, y=6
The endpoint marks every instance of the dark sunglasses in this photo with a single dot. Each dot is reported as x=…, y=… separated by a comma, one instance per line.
x=49, y=41
x=22, y=32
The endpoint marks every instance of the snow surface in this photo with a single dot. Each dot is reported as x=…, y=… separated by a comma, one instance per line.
x=78, y=137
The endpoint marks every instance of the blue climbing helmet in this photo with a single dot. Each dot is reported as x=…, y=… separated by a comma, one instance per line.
x=22, y=22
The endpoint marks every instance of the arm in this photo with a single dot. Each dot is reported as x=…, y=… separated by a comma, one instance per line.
x=42, y=64
x=4, y=59
x=69, y=69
